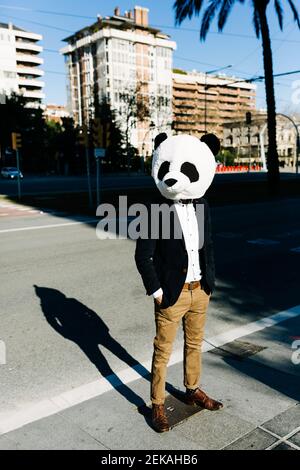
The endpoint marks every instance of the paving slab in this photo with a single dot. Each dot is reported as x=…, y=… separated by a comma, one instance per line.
x=254, y=440
x=295, y=439
x=7, y=444
x=50, y=433
x=244, y=390
x=285, y=422
x=119, y=425
x=214, y=429
x=283, y=446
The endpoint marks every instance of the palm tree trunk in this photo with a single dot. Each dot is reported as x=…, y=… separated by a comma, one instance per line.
x=272, y=160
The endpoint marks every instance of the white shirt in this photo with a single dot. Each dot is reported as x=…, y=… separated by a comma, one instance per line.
x=189, y=225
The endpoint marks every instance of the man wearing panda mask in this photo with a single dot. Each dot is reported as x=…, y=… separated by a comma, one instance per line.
x=179, y=271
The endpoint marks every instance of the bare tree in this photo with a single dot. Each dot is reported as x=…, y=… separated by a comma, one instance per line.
x=136, y=109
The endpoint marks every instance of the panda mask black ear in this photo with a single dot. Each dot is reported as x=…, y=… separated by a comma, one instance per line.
x=159, y=139
x=212, y=141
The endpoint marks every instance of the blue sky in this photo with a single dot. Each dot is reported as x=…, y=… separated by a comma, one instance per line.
x=243, y=53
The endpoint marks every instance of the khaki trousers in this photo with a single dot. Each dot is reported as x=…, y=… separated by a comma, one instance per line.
x=191, y=308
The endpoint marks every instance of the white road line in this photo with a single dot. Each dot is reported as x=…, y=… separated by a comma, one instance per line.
x=10, y=421
x=40, y=227
x=263, y=241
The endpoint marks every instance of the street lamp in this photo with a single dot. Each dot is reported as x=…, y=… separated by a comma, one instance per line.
x=205, y=90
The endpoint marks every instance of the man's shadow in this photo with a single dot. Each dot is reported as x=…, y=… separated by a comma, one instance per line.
x=77, y=323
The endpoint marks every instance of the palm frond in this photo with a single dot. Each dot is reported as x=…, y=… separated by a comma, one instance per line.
x=295, y=12
x=224, y=12
x=186, y=9
x=256, y=22
x=279, y=12
x=208, y=17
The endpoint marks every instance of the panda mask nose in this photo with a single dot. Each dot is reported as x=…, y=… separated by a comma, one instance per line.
x=170, y=182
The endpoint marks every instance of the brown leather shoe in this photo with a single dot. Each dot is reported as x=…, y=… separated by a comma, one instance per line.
x=159, y=419
x=199, y=398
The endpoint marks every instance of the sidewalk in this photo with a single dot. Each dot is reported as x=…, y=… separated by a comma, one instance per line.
x=254, y=376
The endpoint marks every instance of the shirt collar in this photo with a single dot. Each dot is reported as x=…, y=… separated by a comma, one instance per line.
x=185, y=201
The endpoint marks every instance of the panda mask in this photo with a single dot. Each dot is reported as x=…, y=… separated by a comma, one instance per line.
x=183, y=167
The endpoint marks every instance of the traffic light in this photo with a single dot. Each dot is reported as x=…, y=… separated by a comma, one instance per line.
x=108, y=135
x=16, y=140
x=83, y=136
x=248, y=118
x=97, y=130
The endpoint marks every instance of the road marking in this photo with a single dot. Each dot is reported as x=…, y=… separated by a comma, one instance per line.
x=263, y=241
x=40, y=227
x=10, y=421
x=229, y=235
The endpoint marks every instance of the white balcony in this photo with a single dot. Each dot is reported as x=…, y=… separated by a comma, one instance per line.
x=28, y=35
x=29, y=70
x=29, y=58
x=28, y=46
x=36, y=94
x=30, y=82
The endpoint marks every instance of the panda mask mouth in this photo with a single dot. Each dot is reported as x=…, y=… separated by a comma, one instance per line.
x=175, y=182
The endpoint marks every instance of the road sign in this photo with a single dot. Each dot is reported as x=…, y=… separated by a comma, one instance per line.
x=99, y=152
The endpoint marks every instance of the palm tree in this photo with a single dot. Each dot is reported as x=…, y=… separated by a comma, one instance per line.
x=188, y=8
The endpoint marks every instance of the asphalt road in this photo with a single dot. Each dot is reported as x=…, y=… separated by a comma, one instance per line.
x=56, y=184
x=58, y=281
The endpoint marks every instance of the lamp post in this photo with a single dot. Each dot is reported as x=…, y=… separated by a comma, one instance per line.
x=205, y=91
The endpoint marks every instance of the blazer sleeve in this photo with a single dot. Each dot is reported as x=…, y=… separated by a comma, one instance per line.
x=144, y=253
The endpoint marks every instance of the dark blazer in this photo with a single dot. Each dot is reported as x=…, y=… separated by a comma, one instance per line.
x=164, y=262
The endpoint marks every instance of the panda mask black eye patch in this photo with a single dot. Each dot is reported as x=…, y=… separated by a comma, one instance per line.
x=164, y=169
x=189, y=170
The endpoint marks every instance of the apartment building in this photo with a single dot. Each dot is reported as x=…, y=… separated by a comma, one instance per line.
x=20, y=63
x=55, y=112
x=204, y=103
x=251, y=141
x=116, y=56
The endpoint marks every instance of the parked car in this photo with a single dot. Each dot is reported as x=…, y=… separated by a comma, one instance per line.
x=10, y=172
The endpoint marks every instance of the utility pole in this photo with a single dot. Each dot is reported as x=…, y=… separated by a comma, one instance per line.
x=101, y=140
x=84, y=141
x=16, y=145
x=249, y=122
